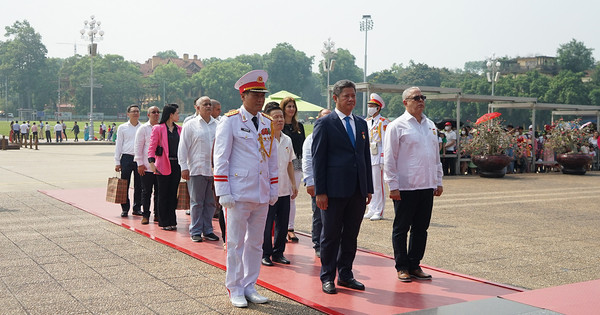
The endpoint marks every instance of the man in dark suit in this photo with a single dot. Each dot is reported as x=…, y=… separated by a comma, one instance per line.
x=343, y=185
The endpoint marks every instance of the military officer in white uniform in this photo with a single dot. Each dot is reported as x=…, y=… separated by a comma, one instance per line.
x=377, y=125
x=245, y=173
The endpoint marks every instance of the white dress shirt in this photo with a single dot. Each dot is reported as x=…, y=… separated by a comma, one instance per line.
x=142, y=143
x=195, y=146
x=285, y=155
x=411, y=154
x=125, y=140
x=309, y=179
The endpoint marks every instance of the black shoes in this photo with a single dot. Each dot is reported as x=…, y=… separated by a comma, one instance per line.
x=318, y=253
x=267, y=261
x=329, y=287
x=137, y=212
x=196, y=238
x=352, y=284
x=211, y=237
x=124, y=214
x=281, y=260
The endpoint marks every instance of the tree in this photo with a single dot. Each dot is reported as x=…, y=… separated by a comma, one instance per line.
x=255, y=61
x=567, y=88
x=477, y=67
x=575, y=56
x=217, y=81
x=167, y=54
x=170, y=84
x=288, y=68
x=22, y=58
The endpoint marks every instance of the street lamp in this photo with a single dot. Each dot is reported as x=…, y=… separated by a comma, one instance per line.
x=493, y=66
x=328, y=52
x=91, y=30
x=365, y=26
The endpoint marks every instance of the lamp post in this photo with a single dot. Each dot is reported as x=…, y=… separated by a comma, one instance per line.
x=90, y=31
x=328, y=52
x=493, y=66
x=365, y=26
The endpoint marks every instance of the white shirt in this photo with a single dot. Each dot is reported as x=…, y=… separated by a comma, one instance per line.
x=16, y=127
x=450, y=135
x=342, y=116
x=285, y=155
x=309, y=179
x=125, y=140
x=142, y=142
x=57, y=127
x=411, y=154
x=195, y=146
x=24, y=128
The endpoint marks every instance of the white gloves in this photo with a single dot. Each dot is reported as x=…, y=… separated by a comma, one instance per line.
x=273, y=200
x=227, y=201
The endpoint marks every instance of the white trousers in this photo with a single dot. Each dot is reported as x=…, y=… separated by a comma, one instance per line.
x=245, y=229
x=377, y=204
x=298, y=177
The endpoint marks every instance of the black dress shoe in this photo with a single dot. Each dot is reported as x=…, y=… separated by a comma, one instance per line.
x=281, y=260
x=267, y=261
x=329, y=287
x=137, y=212
x=352, y=284
x=124, y=214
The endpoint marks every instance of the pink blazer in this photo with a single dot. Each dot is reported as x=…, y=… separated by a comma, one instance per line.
x=159, y=137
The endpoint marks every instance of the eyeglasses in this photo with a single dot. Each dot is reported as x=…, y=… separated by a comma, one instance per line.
x=417, y=98
x=134, y=111
x=155, y=112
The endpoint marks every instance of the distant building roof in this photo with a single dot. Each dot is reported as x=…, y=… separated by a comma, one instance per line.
x=191, y=66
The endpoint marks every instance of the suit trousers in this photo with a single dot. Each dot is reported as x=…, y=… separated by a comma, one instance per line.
x=202, y=204
x=149, y=183
x=413, y=213
x=167, y=195
x=245, y=230
x=128, y=166
x=341, y=225
x=377, y=204
x=278, y=214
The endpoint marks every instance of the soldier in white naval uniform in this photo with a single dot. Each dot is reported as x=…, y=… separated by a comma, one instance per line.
x=377, y=126
x=245, y=172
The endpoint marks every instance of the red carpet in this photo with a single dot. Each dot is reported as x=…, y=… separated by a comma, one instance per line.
x=300, y=280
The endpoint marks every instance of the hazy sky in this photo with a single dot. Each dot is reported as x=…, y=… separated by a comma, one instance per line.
x=440, y=33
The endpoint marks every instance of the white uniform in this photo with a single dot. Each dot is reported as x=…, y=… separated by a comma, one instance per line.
x=377, y=126
x=246, y=168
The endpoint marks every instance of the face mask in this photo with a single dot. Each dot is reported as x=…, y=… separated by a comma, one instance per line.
x=371, y=111
x=463, y=132
x=516, y=133
x=448, y=128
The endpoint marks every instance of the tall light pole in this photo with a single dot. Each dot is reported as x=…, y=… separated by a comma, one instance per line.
x=328, y=52
x=91, y=30
x=493, y=66
x=365, y=26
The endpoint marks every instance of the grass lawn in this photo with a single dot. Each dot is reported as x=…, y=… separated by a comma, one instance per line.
x=5, y=128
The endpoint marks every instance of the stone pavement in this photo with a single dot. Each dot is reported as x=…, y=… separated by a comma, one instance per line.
x=530, y=230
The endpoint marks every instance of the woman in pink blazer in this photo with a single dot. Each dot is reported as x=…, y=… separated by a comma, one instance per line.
x=162, y=156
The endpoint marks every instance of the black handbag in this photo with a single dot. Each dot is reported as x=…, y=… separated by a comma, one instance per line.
x=159, y=151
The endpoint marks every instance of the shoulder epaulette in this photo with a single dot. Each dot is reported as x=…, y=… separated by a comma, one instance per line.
x=232, y=112
x=382, y=119
x=267, y=116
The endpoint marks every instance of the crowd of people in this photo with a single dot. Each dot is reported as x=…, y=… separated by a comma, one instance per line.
x=247, y=165
x=22, y=132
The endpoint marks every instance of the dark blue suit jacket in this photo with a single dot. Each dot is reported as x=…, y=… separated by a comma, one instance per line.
x=338, y=166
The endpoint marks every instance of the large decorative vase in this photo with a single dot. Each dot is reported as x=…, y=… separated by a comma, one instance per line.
x=574, y=163
x=492, y=166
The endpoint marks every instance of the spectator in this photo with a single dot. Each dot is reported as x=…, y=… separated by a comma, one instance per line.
x=58, y=131
x=124, y=163
x=76, y=131
x=24, y=132
x=64, y=128
x=149, y=181
x=449, y=163
x=34, y=132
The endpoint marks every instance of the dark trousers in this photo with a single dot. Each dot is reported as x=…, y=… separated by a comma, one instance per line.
x=317, y=225
x=449, y=164
x=65, y=133
x=149, y=183
x=167, y=195
x=279, y=213
x=58, y=136
x=341, y=224
x=35, y=137
x=128, y=166
x=48, y=136
x=76, y=136
x=413, y=213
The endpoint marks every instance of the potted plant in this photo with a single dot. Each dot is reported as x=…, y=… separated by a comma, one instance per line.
x=489, y=145
x=569, y=140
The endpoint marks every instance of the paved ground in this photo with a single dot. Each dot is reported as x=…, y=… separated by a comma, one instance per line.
x=531, y=231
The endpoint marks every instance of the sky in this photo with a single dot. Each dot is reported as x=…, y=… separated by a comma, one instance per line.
x=439, y=33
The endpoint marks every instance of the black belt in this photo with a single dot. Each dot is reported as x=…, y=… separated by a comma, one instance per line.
x=124, y=154
x=172, y=159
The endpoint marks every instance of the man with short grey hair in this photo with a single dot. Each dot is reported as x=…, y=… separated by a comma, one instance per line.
x=216, y=109
x=413, y=172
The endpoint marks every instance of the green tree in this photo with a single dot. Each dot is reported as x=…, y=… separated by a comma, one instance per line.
x=567, y=88
x=255, y=61
x=167, y=54
x=22, y=58
x=477, y=67
x=218, y=80
x=575, y=56
x=288, y=68
x=170, y=85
